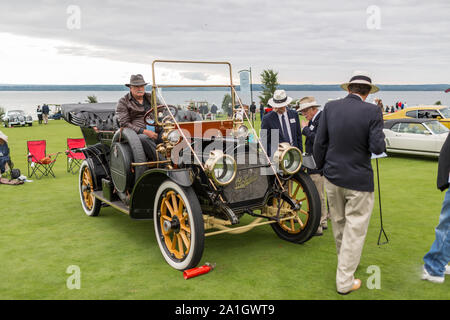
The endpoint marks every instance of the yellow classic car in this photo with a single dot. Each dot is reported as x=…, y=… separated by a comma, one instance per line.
x=441, y=113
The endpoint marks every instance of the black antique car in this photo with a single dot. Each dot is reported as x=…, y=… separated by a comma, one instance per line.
x=206, y=177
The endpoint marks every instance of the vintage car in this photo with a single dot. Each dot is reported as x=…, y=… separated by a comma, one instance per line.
x=16, y=118
x=415, y=136
x=206, y=177
x=438, y=112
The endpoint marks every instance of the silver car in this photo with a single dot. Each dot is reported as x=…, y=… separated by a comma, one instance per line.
x=415, y=136
x=16, y=118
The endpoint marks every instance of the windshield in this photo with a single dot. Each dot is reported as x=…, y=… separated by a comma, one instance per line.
x=436, y=127
x=16, y=113
x=445, y=112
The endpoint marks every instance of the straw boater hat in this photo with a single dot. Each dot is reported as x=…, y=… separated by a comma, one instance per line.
x=307, y=102
x=136, y=80
x=280, y=99
x=363, y=78
x=3, y=136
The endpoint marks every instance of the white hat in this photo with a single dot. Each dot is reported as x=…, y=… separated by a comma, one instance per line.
x=280, y=99
x=363, y=78
x=307, y=102
x=3, y=136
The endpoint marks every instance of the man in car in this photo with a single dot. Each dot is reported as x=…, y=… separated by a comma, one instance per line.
x=130, y=111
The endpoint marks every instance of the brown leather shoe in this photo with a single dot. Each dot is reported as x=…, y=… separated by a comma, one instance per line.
x=356, y=286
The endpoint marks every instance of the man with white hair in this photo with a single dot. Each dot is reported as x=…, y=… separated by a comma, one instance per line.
x=350, y=131
x=309, y=108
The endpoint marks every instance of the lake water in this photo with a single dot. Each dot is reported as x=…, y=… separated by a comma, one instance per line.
x=28, y=100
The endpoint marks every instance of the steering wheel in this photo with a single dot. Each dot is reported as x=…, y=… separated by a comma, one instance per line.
x=148, y=117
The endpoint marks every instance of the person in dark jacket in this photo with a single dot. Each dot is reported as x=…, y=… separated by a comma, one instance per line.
x=282, y=121
x=350, y=130
x=261, y=111
x=39, y=114
x=437, y=259
x=45, y=112
x=213, y=112
x=309, y=108
x=4, y=152
x=253, y=111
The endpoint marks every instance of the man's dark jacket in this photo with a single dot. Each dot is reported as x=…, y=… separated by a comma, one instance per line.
x=130, y=113
x=271, y=121
x=45, y=109
x=310, y=133
x=349, y=131
x=444, y=165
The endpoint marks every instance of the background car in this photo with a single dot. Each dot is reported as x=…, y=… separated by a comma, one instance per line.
x=441, y=113
x=16, y=118
x=415, y=136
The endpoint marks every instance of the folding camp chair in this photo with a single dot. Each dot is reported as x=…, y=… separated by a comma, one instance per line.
x=39, y=162
x=74, y=157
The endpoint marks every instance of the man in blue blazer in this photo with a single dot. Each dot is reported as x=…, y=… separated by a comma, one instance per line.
x=281, y=121
x=350, y=130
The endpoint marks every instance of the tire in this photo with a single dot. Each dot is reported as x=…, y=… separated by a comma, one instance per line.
x=172, y=230
x=90, y=204
x=309, y=213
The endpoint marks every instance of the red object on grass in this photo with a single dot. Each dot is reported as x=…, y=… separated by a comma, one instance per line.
x=448, y=90
x=194, y=272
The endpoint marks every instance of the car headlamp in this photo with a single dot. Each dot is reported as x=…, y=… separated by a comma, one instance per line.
x=174, y=137
x=220, y=167
x=241, y=132
x=288, y=158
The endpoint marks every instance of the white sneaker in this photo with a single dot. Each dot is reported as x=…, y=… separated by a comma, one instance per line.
x=429, y=277
x=447, y=269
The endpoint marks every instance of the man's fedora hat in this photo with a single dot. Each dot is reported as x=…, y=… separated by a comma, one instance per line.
x=363, y=78
x=136, y=80
x=279, y=99
x=307, y=102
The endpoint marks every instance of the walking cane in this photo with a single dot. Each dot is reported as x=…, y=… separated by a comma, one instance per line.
x=381, y=214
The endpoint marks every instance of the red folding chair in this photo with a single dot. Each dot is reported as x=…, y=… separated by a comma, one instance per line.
x=39, y=162
x=74, y=158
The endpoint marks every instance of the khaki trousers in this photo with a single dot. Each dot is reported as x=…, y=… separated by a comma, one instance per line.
x=350, y=212
x=319, y=182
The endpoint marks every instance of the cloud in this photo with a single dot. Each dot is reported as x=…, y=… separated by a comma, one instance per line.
x=306, y=41
x=195, y=76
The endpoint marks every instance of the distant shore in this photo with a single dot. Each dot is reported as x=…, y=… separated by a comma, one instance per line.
x=255, y=87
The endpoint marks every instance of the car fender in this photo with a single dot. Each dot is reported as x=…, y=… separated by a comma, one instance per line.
x=144, y=190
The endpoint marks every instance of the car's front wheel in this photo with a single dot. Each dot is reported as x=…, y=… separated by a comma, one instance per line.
x=91, y=205
x=303, y=223
x=178, y=225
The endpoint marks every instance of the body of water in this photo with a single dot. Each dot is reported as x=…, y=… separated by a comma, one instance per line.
x=29, y=100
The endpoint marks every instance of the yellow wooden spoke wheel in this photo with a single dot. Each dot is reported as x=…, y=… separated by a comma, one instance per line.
x=179, y=226
x=304, y=221
x=90, y=204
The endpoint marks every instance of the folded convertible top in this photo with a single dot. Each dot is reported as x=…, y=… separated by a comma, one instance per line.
x=84, y=115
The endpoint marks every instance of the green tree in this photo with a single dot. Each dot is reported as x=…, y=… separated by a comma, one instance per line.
x=226, y=103
x=269, y=83
x=92, y=99
x=2, y=112
x=438, y=103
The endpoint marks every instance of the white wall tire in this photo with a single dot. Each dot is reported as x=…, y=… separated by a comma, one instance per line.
x=90, y=204
x=178, y=223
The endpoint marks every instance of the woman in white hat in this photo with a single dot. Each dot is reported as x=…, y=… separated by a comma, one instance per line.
x=4, y=152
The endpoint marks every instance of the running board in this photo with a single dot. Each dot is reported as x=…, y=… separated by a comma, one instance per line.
x=118, y=205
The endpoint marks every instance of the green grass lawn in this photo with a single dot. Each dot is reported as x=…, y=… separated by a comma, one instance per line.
x=43, y=231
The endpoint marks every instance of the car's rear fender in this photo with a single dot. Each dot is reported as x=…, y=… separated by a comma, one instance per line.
x=144, y=191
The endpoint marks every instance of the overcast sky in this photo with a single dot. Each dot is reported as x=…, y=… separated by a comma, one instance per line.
x=103, y=42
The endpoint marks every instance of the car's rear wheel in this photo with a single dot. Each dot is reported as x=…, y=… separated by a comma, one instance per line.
x=91, y=205
x=178, y=225
x=306, y=220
